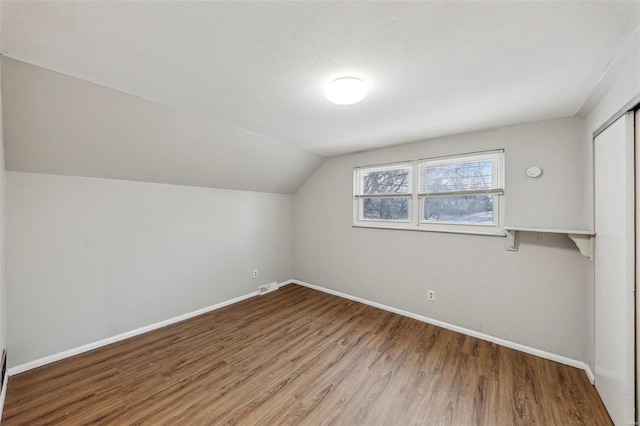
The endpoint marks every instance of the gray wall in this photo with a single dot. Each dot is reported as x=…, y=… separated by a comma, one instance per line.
x=536, y=296
x=89, y=258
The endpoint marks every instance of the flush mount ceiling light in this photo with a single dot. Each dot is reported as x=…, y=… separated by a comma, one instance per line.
x=346, y=91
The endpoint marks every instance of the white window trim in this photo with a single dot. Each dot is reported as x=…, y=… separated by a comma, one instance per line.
x=357, y=196
x=416, y=203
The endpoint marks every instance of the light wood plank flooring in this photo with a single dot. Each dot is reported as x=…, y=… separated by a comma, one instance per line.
x=299, y=356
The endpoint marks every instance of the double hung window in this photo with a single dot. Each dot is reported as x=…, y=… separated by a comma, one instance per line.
x=385, y=193
x=462, y=193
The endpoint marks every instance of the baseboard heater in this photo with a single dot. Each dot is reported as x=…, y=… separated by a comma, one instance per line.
x=267, y=288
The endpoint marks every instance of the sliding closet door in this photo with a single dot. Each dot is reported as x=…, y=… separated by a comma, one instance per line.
x=615, y=269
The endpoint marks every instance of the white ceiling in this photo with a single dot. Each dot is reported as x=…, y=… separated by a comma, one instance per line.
x=433, y=68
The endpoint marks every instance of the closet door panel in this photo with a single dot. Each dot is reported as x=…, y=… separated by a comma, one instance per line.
x=615, y=268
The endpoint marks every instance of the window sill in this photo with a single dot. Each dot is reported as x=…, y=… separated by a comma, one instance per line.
x=491, y=232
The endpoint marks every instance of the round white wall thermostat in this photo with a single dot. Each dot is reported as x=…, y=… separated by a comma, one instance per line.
x=534, y=172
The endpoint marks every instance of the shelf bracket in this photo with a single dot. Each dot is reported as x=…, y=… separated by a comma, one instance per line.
x=584, y=240
x=584, y=244
x=511, y=240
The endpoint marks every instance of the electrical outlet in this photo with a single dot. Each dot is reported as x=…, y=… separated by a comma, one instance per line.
x=255, y=273
x=431, y=295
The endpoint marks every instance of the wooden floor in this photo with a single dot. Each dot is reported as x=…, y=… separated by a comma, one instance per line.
x=299, y=356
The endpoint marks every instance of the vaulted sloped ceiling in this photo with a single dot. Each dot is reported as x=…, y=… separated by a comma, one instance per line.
x=230, y=94
x=58, y=124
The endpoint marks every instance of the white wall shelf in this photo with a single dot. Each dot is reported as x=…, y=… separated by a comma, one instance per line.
x=582, y=239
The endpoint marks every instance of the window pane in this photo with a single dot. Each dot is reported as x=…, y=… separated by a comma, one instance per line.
x=459, y=177
x=386, y=182
x=385, y=208
x=462, y=208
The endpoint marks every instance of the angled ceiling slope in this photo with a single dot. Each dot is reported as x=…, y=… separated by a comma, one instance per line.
x=254, y=72
x=58, y=124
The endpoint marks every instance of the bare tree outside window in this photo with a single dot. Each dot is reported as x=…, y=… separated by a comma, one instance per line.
x=463, y=208
x=458, y=193
x=386, y=182
x=452, y=178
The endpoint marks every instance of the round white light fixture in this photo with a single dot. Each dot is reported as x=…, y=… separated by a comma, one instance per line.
x=346, y=91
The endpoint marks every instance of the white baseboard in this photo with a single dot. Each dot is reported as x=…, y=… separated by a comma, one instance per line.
x=3, y=394
x=517, y=346
x=90, y=346
x=590, y=375
x=502, y=342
